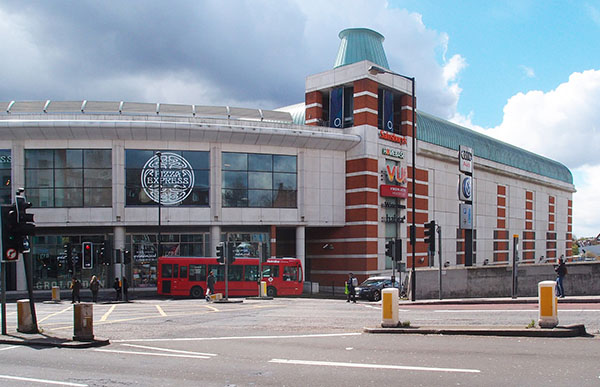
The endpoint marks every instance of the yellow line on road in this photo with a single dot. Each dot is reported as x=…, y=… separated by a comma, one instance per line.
x=160, y=310
x=54, y=314
x=105, y=317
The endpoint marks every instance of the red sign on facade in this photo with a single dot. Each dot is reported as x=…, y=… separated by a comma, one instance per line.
x=393, y=191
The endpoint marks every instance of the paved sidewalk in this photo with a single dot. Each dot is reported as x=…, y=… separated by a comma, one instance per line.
x=512, y=331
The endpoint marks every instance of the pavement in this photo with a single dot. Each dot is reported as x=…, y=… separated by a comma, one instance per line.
x=107, y=296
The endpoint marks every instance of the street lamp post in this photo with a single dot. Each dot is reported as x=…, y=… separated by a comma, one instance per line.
x=374, y=70
x=159, y=155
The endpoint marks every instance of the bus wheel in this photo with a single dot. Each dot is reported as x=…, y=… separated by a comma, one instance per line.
x=196, y=292
x=271, y=291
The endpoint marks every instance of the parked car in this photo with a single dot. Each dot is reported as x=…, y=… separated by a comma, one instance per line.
x=371, y=288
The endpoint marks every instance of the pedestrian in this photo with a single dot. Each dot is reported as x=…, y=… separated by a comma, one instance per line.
x=561, y=271
x=94, y=287
x=352, y=283
x=117, y=287
x=75, y=287
x=210, y=285
x=125, y=289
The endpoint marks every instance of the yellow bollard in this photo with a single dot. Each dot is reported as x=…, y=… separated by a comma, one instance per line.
x=83, y=321
x=24, y=318
x=55, y=294
x=547, y=304
x=389, y=308
x=263, y=289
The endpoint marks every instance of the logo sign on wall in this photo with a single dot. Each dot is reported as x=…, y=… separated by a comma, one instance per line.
x=465, y=188
x=393, y=191
x=465, y=159
x=177, y=178
x=466, y=216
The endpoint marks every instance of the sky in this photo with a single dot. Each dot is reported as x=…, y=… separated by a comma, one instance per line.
x=525, y=72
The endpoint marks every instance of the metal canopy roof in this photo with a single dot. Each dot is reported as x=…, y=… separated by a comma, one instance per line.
x=360, y=44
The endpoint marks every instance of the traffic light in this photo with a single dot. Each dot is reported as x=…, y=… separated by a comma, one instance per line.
x=230, y=253
x=25, y=223
x=69, y=256
x=430, y=235
x=87, y=250
x=126, y=257
x=389, y=249
x=101, y=253
x=221, y=253
x=398, y=250
x=10, y=240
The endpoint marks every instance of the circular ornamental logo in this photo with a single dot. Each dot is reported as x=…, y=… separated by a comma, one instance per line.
x=467, y=187
x=176, y=178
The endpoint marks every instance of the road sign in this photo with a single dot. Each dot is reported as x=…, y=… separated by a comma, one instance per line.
x=11, y=255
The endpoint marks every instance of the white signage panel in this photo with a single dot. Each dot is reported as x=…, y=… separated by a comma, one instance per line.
x=465, y=188
x=466, y=216
x=465, y=159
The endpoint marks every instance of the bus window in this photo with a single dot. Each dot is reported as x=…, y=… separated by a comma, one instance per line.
x=218, y=271
x=167, y=270
x=251, y=273
x=183, y=272
x=290, y=273
x=235, y=273
x=197, y=272
x=271, y=271
x=175, y=271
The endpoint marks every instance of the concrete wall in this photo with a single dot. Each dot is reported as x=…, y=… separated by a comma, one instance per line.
x=496, y=281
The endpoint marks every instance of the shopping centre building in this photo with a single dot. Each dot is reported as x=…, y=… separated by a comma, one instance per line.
x=329, y=181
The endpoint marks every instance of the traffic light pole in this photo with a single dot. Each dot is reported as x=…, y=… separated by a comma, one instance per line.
x=29, y=276
x=3, y=297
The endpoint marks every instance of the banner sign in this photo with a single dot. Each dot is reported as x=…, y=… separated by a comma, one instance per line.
x=388, y=111
x=465, y=159
x=466, y=216
x=336, y=108
x=393, y=191
x=465, y=188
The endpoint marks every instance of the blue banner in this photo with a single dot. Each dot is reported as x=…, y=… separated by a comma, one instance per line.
x=336, y=119
x=388, y=111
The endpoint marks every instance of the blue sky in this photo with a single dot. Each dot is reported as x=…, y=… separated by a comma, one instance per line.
x=525, y=72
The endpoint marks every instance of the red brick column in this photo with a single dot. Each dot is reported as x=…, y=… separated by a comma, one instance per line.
x=365, y=102
x=314, y=108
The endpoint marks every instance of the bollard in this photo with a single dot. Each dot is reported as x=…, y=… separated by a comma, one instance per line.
x=83, y=321
x=24, y=318
x=547, y=304
x=263, y=289
x=55, y=294
x=389, y=308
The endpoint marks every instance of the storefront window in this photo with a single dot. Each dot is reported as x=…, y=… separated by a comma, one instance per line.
x=184, y=178
x=248, y=245
x=5, y=176
x=258, y=180
x=69, y=177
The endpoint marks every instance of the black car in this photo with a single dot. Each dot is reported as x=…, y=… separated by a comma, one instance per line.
x=371, y=288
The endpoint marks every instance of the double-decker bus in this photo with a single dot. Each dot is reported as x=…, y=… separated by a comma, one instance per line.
x=186, y=276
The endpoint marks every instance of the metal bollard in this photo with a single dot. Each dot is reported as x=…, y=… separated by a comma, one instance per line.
x=547, y=304
x=24, y=318
x=389, y=308
x=55, y=294
x=83, y=321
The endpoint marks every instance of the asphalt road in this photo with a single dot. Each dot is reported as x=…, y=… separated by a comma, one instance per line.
x=297, y=342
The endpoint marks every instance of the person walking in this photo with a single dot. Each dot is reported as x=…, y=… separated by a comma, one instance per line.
x=561, y=271
x=117, y=287
x=75, y=288
x=210, y=285
x=94, y=287
x=125, y=289
x=352, y=283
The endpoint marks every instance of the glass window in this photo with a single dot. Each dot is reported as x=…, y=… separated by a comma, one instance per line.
x=56, y=177
x=167, y=270
x=251, y=273
x=234, y=272
x=197, y=272
x=185, y=178
x=271, y=271
x=290, y=273
x=259, y=182
x=183, y=272
x=176, y=271
x=218, y=271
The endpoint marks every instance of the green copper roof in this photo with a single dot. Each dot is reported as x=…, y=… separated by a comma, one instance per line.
x=443, y=133
x=360, y=44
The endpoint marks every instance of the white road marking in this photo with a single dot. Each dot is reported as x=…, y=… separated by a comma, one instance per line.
x=160, y=310
x=375, y=366
x=240, y=337
x=45, y=381
x=7, y=348
x=105, y=316
x=170, y=350
x=152, y=354
x=509, y=311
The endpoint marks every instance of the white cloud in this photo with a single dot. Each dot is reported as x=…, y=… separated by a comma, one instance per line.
x=594, y=13
x=527, y=71
x=586, y=206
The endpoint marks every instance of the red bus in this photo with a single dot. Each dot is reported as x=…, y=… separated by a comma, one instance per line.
x=186, y=276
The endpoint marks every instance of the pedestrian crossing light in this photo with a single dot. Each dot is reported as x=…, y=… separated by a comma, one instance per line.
x=221, y=253
x=88, y=254
x=430, y=235
x=389, y=249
